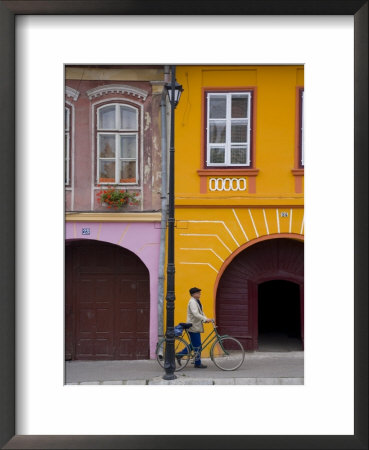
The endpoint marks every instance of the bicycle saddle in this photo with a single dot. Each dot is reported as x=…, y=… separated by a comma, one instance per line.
x=185, y=325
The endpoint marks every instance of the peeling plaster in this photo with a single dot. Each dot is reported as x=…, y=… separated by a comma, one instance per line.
x=147, y=168
x=155, y=142
x=147, y=121
x=156, y=178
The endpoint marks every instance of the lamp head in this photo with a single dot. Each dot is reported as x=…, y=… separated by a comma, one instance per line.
x=174, y=94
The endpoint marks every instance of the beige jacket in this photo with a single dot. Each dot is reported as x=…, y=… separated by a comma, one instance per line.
x=195, y=316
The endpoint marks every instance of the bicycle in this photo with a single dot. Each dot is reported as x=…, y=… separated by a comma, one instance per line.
x=226, y=352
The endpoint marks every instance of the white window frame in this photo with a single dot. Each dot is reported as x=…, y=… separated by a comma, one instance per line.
x=118, y=132
x=228, y=121
x=67, y=131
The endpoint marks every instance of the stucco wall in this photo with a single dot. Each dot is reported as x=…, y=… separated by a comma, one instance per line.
x=214, y=225
x=143, y=239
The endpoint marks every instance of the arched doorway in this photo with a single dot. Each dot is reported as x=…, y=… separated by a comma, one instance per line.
x=107, y=303
x=242, y=283
x=279, y=316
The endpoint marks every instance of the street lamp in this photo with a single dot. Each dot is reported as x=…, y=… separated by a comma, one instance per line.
x=174, y=91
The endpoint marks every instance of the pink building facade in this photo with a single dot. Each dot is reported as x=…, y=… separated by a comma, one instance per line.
x=113, y=140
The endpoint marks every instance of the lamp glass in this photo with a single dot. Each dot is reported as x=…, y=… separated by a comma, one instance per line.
x=177, y=92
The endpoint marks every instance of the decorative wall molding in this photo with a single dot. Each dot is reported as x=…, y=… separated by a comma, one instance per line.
x=112, y=217
x=116, y=88
x=70, y=92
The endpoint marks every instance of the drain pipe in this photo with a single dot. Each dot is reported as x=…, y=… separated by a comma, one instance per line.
x=163, y=228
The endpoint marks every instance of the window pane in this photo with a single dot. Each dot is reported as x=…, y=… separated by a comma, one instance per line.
x=66, y=145
x=66, y=119
x=217, y=155
x=107, y=145
x=66, y=157
x=218, y=107
x=217, y=132
x=238, y=155
x=239, y=106
x=128, y=146
x=127, y=171
x=107, y=171
x=107, y=118
x=128, y=118
x=238, y=133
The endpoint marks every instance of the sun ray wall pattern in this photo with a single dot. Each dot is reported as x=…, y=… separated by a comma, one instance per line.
x=239, y=182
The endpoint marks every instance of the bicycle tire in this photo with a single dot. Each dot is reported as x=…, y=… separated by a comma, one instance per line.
x=227, y=353
x=179, y=345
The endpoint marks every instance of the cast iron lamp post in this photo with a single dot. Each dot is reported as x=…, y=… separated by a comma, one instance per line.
x=174, y=91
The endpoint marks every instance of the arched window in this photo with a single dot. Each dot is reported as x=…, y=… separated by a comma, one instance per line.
x=67, y=143
x=117, y=144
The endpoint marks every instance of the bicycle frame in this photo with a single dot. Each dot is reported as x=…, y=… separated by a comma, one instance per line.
x=193, y=353
x=211, y=337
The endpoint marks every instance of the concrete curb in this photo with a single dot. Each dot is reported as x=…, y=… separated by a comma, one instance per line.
x=197, y=381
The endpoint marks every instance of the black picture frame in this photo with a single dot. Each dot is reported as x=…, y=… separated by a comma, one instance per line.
x=8, y=10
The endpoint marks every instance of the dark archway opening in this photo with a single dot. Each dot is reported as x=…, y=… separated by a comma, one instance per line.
x=279, y=316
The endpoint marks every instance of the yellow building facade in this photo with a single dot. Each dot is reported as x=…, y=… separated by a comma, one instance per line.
x=239, y=182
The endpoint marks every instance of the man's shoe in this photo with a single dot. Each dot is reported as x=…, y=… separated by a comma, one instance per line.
x=201, y=366
x=179, y=357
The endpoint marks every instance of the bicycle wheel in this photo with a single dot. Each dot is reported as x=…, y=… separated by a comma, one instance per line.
x=180, y=346
x=227, y=353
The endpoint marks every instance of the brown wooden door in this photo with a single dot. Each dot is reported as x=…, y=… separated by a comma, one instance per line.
x=107, y=303
x=68, y=306
x=237, y=294
x=132, y=318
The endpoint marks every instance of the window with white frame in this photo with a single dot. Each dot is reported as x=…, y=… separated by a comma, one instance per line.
x=117, y=144
x=302, y=162
x=67, y=131
x=228, y=129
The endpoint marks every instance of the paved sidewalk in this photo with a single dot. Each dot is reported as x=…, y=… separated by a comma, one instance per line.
x=258, y=368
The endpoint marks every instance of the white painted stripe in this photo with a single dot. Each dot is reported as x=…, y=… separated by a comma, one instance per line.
x=209, y=249
x=291, y=220
x=252, y=220
x=266, y=222
x=239, y=223
x=302, y=224
x=98, y=232
x=203, y=264
x=279, y=230
x=123, y=234
x=214, y=221
x=147, y=245
x=211, y=235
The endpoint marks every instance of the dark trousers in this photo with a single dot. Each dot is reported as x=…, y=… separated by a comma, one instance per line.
x=196, y=344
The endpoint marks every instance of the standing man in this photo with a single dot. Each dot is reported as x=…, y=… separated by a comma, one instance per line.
x=195, y=316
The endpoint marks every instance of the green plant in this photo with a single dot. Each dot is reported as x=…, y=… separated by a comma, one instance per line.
x=115, y=198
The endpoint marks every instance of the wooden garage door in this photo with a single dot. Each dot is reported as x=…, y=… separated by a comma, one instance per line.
x=237, y=294
x=107, y=303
